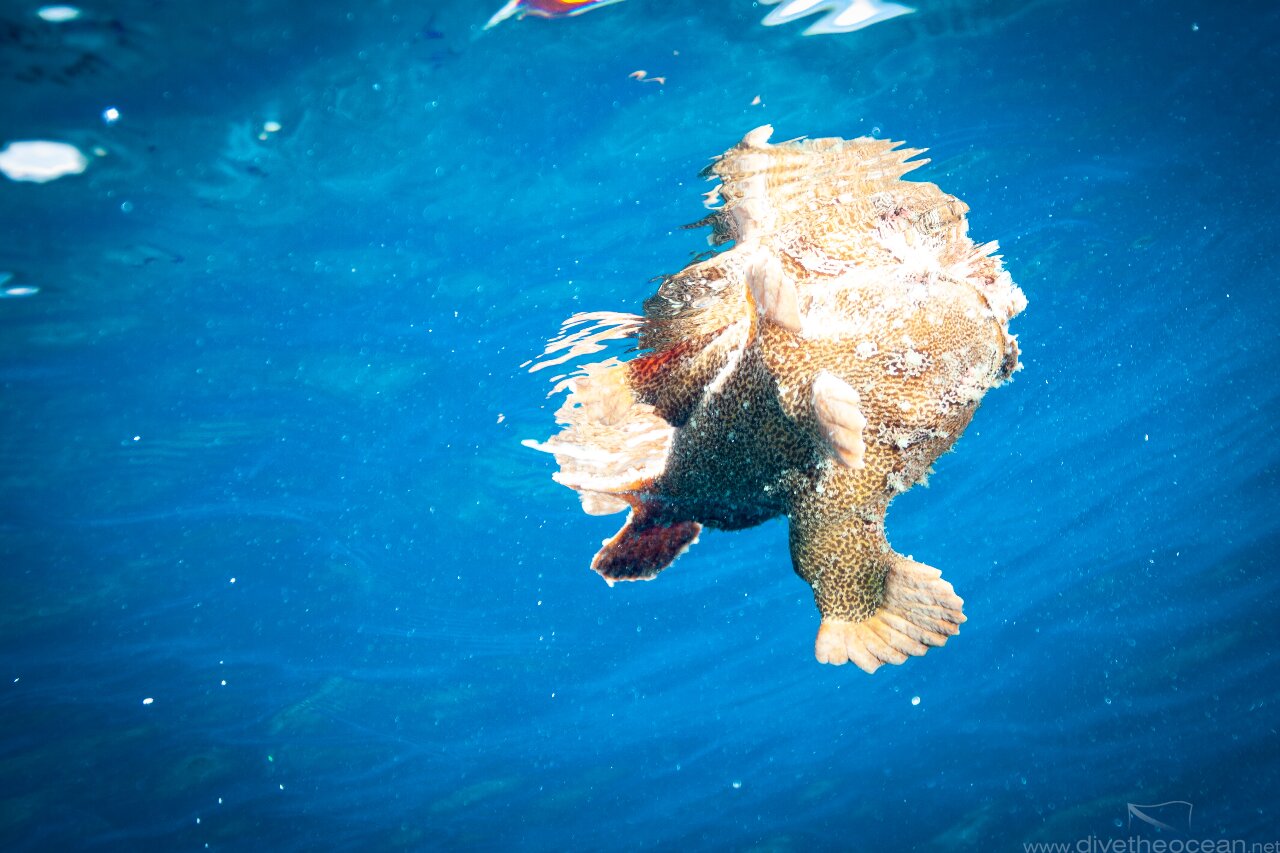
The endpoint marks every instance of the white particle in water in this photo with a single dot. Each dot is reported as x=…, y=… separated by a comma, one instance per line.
x=19, y=290
x=111, y=115
x=233, y=580
x=915, y=700
x=271, y=126
x=737, y=783
x=148, y=701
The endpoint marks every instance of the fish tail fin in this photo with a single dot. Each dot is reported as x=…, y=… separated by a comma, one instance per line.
x=919, y=611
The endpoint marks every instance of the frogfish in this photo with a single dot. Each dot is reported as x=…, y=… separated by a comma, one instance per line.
x=813, y=370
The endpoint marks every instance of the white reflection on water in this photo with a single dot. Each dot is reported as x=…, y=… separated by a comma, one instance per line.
x=843, y=16
x=39, y=160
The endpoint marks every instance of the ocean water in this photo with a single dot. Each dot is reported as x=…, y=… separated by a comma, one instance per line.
x=276, y=573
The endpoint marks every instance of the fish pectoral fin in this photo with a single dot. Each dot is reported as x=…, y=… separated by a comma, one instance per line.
x=838, y=409
x=643, y=547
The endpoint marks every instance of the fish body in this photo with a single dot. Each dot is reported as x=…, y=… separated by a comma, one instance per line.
x=814, y=370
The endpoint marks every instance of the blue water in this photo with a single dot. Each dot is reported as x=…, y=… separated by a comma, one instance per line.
x=260, y=456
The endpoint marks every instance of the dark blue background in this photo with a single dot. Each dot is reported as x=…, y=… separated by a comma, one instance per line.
x=316, y=339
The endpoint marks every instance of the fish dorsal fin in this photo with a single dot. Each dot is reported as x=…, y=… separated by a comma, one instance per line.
x=585, y=334
x=766, y=188
x=612, y=444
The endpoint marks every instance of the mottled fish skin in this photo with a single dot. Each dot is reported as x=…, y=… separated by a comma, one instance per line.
x=814, y=370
